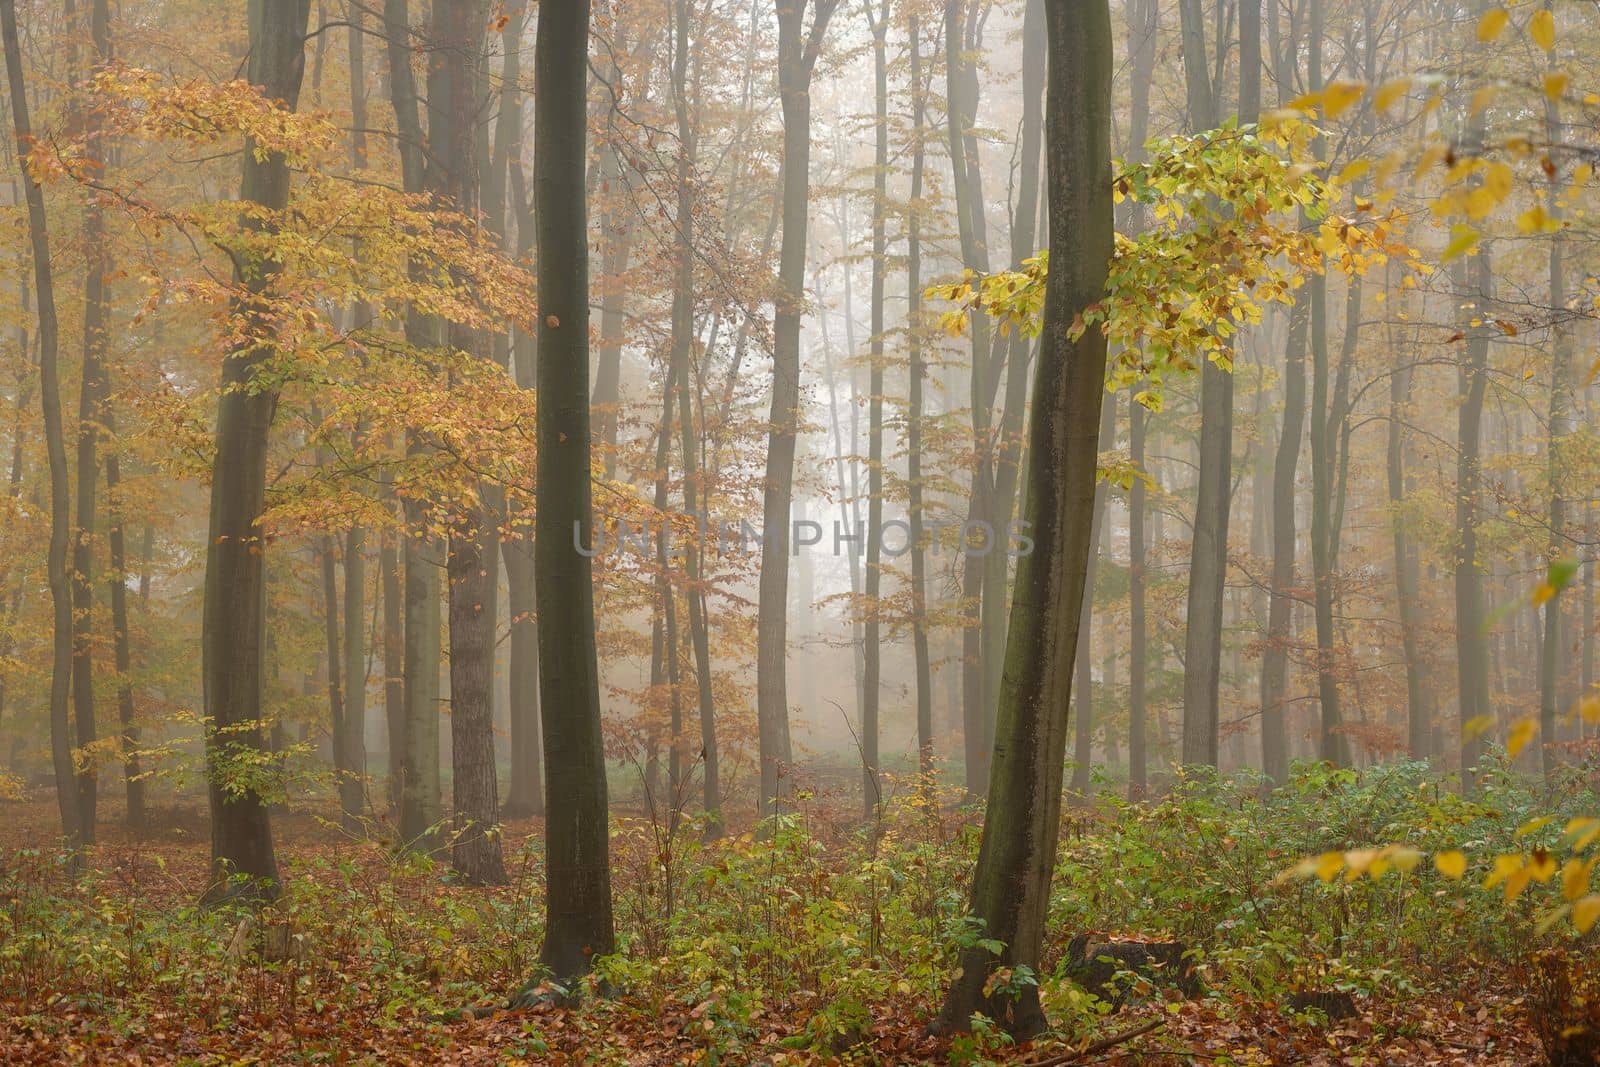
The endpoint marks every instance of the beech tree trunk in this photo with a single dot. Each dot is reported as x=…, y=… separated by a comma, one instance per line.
x=235, y=587
x=1208, y=561
x=914, y=415
x=798, y=49
x=1010, y=890
x=578, y=923
x=61, y=740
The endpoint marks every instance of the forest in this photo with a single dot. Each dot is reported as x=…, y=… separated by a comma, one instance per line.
x=781, y=532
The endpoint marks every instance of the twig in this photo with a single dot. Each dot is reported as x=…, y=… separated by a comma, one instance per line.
x=1100, y=1046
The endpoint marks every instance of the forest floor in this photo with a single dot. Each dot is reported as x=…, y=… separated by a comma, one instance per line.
x=764, y=962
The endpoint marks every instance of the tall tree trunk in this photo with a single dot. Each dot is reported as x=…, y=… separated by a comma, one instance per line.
x=1472, y=281
x=61, y=742
x=1560, y=427
x=872, y=662
x=578, y=883
x=798, y=49
x=683, y=335
x=1083, y=684
x=421, y=806
x=1208, y=566
x=914, y=414
x=1144, y=17
x=236, y=587
x=526, y=795
x=1010, y=890
x=92, y=394
x=961, y=95
x=1008, y=445
x=1418, y=733
x=455, y=80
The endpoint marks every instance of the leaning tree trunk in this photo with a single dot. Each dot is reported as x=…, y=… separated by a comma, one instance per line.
x=578, y=881
x=1010, y=890
x=55, y=446
x=235, y=587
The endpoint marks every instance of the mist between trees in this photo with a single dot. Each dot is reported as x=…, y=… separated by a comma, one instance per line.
x=542, y=462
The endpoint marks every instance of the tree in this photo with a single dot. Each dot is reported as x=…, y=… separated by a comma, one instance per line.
x=61, y=748
x=235, y=587
x=1011, y=884
x=798, y=49
x=578, y=881
x=419, y=791
x=1208, y=561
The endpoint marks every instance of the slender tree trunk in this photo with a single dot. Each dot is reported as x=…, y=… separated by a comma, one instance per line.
x=1560, y=427
x=961, y=97
x=683, y=335
x=526, y=796
x=798, y=49
x=92, y=394
x=1008, y=445
x=914, y=415
x=455, y=80
x=578, y=881
x=236, y=587
x=1208, y=567
x=421, y=805
x=61, y=741
x=1010, y=890
x=1083, y=684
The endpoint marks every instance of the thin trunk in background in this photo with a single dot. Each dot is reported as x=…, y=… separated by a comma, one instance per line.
x=61, y=741
x=1208, y=564
x=798, y=50
x=915, y=414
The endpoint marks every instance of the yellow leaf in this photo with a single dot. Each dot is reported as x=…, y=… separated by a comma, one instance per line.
x=1492, y=24
x=1337, y=97
x=1498, y=179
x=1533, y=826
x=1389, y=92
x=1476, y=726
x=1483, y=98
x=1328, y=865
x=1542, y=28
x=1451, y=864
x=1585, y=912
x=1555, y=85
x=1358, y=861
x=1589, y=707
x=1354, y=170
x=1462, y=239
x=1522, y=733
x=1533, y=220
x=1544, y=592
x=1581, y=833
x=1404, y=858
x=1575, y=877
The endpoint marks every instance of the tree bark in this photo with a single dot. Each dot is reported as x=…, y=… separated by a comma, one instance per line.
x=235, y=587
x=61, y=741
x=578, y=883
x=798, y=49
x=914, y=414
x=1010, y=890
x=1208, y=563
